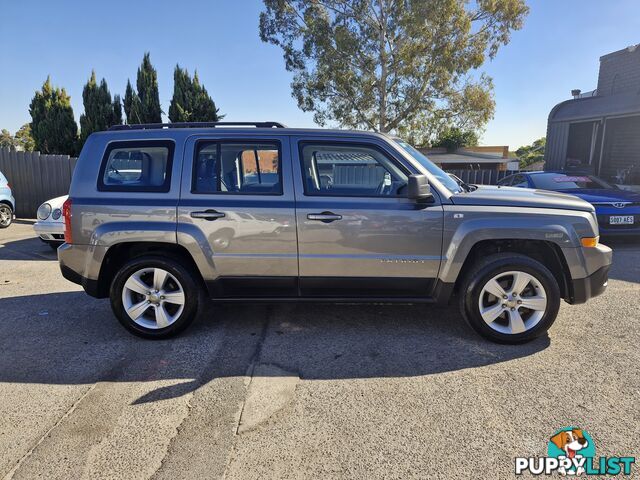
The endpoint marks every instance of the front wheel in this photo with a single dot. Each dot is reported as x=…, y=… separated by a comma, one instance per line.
x=510, y=298
x=6, y=215
x=154, y=297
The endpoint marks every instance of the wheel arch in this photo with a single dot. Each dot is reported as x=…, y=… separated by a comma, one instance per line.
x=120, y=253
x=546, y=252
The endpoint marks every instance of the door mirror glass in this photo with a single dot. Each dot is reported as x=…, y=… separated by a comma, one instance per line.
x=418, y=188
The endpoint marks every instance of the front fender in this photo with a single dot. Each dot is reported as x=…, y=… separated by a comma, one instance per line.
x=465, y=226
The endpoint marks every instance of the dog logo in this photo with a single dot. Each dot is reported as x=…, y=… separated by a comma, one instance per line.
x=572, y=452
x=571, y=443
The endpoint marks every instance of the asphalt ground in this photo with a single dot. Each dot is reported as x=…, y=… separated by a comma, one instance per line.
x=300, y=391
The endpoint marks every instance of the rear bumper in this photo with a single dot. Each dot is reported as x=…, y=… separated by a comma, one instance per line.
x=73, y=266
x=583, y=289
x=89, y=286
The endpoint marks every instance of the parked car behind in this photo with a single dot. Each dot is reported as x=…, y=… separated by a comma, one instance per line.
x=618, y=210
x=50, y=224
x=7, y=203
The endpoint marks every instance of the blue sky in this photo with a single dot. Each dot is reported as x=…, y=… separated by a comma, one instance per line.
x=557, y=50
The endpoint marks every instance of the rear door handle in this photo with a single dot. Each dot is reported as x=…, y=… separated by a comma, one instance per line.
x=207, y=215
x=325, y=217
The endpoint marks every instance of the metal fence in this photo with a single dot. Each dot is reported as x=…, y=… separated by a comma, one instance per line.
x=35, y=178
x=481, y=177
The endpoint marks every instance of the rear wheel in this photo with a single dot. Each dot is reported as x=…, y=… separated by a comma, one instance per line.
x=6, y=215
x=510, y=298
x=154, y=297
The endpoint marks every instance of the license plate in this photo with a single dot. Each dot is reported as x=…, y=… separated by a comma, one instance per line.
x=621, y=220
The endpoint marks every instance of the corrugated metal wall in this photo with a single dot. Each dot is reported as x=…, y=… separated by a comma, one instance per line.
x=555, y=151
x=35, y=178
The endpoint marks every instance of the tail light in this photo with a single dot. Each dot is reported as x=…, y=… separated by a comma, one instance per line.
x=66, y=213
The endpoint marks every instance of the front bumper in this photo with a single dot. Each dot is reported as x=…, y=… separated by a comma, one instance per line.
x=595, y=264
x=49, y=231
x=583, y=289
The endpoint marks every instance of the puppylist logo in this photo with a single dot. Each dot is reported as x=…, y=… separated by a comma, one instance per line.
x=571, y=451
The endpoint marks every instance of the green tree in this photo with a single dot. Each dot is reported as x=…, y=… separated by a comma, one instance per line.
x=132, y=106
x=529, y=154
x=453, y=138
x=24, y=139
x=6, y=139
x=191, y=102
x=117, y=110
x=391, y=65
x=99, y=112
x=143, y=105
x=53, y=126
x=147, y=84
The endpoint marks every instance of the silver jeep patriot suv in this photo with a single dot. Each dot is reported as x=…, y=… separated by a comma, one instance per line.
x=161, y=216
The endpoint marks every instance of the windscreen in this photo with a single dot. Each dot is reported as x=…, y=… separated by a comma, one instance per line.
x=431, y=167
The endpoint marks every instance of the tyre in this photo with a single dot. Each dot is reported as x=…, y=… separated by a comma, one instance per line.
x=154, y=297
x=6, y=215
x=510, y=298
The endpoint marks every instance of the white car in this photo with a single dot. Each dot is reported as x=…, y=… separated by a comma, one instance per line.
x=50, y=224
x=7, y=203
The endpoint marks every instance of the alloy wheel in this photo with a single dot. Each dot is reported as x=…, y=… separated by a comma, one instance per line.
x=153, y=298
x=5, y=216
x=512, y=302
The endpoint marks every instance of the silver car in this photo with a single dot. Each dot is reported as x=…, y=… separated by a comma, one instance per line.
x=159, y=217
x=7, y=203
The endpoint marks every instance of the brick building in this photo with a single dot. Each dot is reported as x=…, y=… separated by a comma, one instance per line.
x=599, y=131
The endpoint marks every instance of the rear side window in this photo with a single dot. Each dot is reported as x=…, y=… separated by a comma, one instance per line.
x=137, y=166
x=237, y=168
x=350, y=170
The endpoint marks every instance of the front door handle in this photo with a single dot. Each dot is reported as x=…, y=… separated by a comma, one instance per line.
x=325, y=217
x=209, y=215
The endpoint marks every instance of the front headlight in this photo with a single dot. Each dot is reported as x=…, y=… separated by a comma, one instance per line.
x=57, y=213
x=44, y=211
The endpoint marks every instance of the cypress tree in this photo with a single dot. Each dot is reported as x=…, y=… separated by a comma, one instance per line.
x=132, y=105
x=53, y=126
x=180, y=107
x=117, y=110
x=147, y=83
x=204, y=108
x=191, y=101
x=99, y=112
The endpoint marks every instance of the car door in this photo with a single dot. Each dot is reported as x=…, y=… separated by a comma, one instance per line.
x=358, y=233
x=236, y=214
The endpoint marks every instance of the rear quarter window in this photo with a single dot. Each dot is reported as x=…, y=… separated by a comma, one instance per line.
x=138, y=166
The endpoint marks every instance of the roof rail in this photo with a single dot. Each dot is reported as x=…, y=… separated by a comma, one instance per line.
x=151, y=126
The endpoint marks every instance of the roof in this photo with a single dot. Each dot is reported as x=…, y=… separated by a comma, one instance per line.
x=595, y=107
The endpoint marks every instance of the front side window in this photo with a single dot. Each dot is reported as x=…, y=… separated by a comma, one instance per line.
x=137, y=166
x=237, y=168
x=346, y=170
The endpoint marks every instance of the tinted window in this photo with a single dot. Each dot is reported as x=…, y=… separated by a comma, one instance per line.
x=345, y=170
x=561, y=181
x=142, y=166
x=241, y=168
x=506, y=182
x=520, y=181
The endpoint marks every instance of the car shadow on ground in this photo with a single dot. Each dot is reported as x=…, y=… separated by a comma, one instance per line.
x=26, y=249
x=70, y=338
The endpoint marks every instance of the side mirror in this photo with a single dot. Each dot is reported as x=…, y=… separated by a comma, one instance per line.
x=419, y=188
